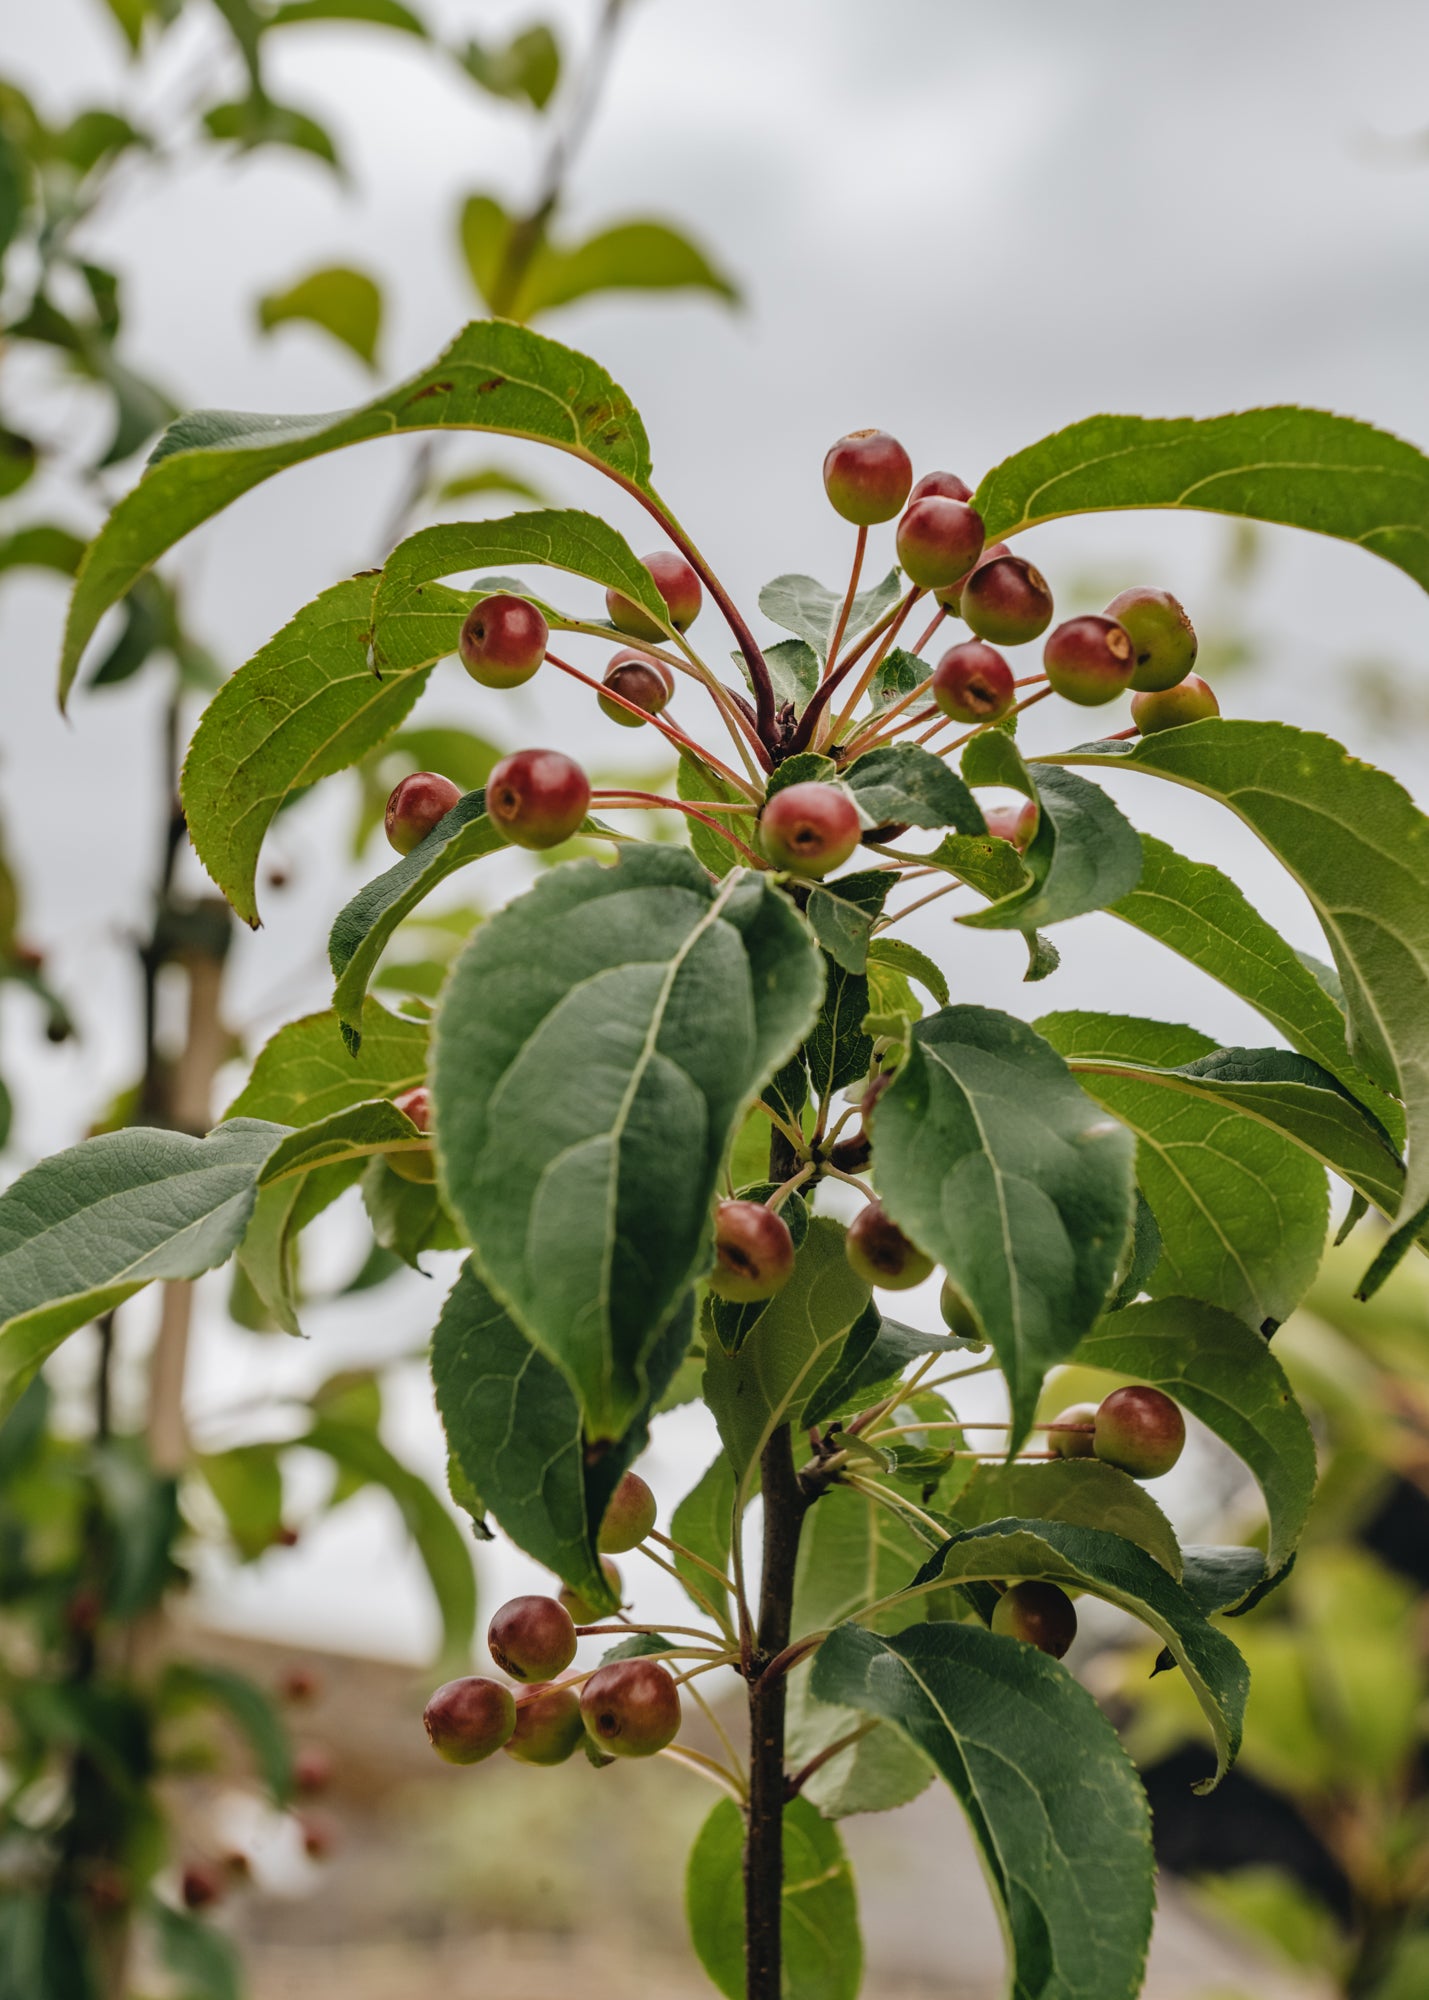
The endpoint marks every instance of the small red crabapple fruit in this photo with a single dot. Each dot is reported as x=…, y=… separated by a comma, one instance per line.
x=1089, y=660
x=973, y=683
x=677, y=583
x=503, y=641
x=1040, y=1614
x=1141, y=1430
x=581, y=1610
x=1163, y=637
x=810, y=828
x=636, y=678
x=1191, y=700
x=301, y=1683
x=1006, y=601
x=319, y=1834
x=631, y=1708
x=415, y=806
x=537, y=798
x=532, y=1638
x=201, y=1885
x=754, y=1252
x=867, y=476
x=548, y=1726
x=880, y=1252
x=1075, y=1442
x=940, y=486
x=958, y=1315
x=415, y=1166
x=938, y=541
x=629, y=1516
x=312, y=1769
x=470, y=1719
x=1015, y=824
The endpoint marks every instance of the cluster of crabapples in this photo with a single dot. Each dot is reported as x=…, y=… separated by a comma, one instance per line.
x=1143, y=642
x=627, y=1708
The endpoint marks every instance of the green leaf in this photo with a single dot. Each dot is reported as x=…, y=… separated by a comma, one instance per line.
x=363, y=929
x=528, y=65
x=1304, y=468
x=305, y=1072
x=630, y=257
x=902, y=781
x=189, y=1683
x=407, y=1217
x=1227, y=1376
x=379, y=13
x=1079, y=1491
x=488, y=479
x=247, y=1483
x=1242, y=1212
x=839, y=1051
x=914, y=964
x=898, y=673
x=752, y=1393
x=793, y=672
x=810, y=610
x=1219, y=1579
x=446, y=1555
x=1121, y=1572
x=695, y=783
x=1050, y=1795
x=991, y=866
x=347, y=1136
x=823, y=1951
x=306, y=705
x=561, y=538
x=996, y=1163
x=1359, y=849
x=256, y=121
x=345, y=303
x=1200, y=913
x=703, y=1523
x=89, y=1227
x=1084, y=855
x=876, y=1350
x=663, y=1003
x=842, y=914
x=514, y=1427
x=493, y=377
x=203, y=1960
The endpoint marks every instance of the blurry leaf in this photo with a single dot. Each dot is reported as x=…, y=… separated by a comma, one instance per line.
x=247, y=1483
x=529, y=65
x=823, y=1952
x=632, y=256
x=93, y=135
x=140, y=1508
x=17, y=461
x=190, y=1682
x=488, y=479
x=379, y=13
x=203, y=1961
x=257, y=121
x=42, y=546
x=345, y=303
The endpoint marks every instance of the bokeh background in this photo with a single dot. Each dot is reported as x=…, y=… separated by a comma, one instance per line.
x=968, y=226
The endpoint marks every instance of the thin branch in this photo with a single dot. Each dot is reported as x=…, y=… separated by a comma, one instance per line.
x=676, y=736
x=797, y=1780
x=842, y=626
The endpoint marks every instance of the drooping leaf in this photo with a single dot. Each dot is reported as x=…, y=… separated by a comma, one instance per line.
x=1222, y=1579
x=514, y=1427
x=841, y=915
x=903, y=782
x=247, y=1483
x=1358, y=847
x=1241, y=1209
x=528, y=65
x=377, y=13
x=752, y=1393
x=703, y=1524
x=257, y=120
x=663, y=1003
x=407, y=1216
x=346, y=1137
x=1035, y=1766
x=876, y=1349
x=88, y=1227
x=493, y=377
x=307, y=704
x=914, y=964
x=1305, y=468
x=996, y=1163
x=1080, y=1491
x=1226, y=1375
x=198, y=1683
x=822, y=1948
x=343, y=302
x=810, y=610
x=1084, y=855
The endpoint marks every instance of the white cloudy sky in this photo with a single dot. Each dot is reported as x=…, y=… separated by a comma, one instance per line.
x=967, y=224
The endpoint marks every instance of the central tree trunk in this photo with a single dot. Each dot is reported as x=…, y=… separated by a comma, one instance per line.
x=784, y=1509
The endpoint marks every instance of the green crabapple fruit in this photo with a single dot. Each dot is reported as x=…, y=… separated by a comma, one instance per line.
x=419, y=1167
x=470, y=1719
x=973, y=683
x=415, y=806
x=940, y=486
x=676, y=582
x=548, y=1726
x=754, y=1252
x=958, y=1315
x=1191, y=700
x=629, y=1516
x=1007, y=601
x=1075, y=1442
x=951, y=594
x=880, y=1252
x=1161, y=634
x=938, y=541
x=1014, y=824
x=647, y=683
x=1141, y=1430
x=810, y=828
x=537, y=798
x=867, y=476
x=1040, y=1614
x=503, y=641
x=1089, y=660
x=631, y=1708
x=581, y=1610
x=532, y=1638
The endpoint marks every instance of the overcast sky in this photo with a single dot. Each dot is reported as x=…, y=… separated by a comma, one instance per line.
x=967, y=225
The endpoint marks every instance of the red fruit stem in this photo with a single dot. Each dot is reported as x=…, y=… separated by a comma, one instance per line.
x=880, y=652
x=678, y=1549
x=1122, y=735
x=808, y=721
x=647, y=801
x=1030, y=701
x=675, y=735
x=849, y=595
x=877, y=730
